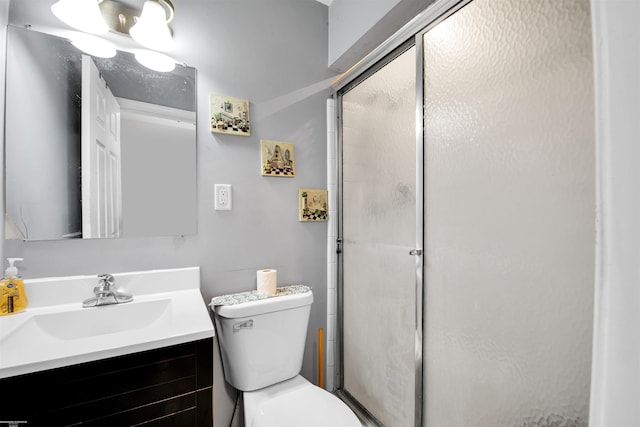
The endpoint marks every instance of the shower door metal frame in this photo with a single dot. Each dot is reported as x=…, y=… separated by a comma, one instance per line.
x=408, y=36
x=416, y=252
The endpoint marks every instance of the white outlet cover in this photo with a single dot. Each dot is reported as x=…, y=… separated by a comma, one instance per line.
x=223, y=197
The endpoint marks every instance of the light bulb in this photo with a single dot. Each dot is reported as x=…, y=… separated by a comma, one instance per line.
x=155, y=60
x=151, y=29
x=83, y=15
x=93, y=45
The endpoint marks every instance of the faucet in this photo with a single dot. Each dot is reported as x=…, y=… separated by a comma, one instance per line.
x=106, y=294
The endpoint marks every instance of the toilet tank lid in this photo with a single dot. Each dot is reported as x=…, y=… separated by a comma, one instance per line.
x=250, y=303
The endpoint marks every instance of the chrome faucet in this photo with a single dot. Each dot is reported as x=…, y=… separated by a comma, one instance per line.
x=106, y=294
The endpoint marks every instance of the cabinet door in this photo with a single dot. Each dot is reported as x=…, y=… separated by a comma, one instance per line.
x=171, y=386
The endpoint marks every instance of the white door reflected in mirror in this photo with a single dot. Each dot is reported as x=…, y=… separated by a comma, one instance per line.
x=100, y=148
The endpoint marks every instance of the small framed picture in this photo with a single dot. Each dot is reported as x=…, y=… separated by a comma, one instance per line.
x=313, y=205
x=277, y=158
x=229, y=115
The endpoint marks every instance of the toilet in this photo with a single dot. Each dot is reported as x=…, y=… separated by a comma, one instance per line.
x=262, y=344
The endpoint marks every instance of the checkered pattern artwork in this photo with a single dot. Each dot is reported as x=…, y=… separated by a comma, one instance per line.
x=277, y=158
x=313, y=205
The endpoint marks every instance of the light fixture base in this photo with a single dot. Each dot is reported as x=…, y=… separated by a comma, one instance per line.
x=120, y=17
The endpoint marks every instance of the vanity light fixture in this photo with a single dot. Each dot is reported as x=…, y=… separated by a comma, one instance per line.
x=155, y=60
x=93, y=45
x=151, y=29
x=83, y=15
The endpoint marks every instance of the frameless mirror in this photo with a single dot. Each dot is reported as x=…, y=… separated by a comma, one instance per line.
x=64, y=176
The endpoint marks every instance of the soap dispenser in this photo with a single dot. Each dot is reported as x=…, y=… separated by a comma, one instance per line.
x=13, y=298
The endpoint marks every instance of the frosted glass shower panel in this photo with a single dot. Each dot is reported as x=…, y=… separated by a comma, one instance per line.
x=510, y=214
x=379, y=230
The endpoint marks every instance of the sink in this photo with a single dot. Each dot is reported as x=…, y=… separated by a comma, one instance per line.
x=90, y=322
x=107, y=319
x=57, y=331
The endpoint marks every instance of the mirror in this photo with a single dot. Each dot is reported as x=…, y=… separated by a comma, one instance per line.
x=52, y=190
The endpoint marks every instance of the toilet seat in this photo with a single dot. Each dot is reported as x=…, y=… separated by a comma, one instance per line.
x=296, y=403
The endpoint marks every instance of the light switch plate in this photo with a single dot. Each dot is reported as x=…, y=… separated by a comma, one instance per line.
x=223, y=197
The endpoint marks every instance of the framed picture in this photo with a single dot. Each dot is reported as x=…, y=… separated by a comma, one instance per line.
x=229, y=115
x=313, y=205
x=277, y=158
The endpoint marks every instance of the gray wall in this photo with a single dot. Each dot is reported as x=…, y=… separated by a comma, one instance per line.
x=4, y=19
x=356, y=27
x=615, y=382
x=157, y=167
x=345, y=29
x=45, y=158
x=274, y=54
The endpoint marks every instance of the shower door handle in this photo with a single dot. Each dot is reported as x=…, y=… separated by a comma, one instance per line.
x=415, y=252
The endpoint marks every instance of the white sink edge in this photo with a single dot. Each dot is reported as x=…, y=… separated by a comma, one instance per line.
x=48, y=291
x=102, y=354
x=190, y=324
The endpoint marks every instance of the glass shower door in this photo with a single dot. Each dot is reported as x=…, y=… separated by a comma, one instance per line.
x=509, y=214
x=378, y=230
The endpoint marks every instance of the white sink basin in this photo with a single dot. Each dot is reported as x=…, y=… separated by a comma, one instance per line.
x=55, y=330
x=88, y=322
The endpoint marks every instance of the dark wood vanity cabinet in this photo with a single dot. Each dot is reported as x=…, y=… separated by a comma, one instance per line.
x=171, y=386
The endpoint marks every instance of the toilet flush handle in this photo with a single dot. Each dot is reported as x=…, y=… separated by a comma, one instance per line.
x=243, y=325
x=415, y=252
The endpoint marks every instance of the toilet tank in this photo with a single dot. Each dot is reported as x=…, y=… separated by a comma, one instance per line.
x=262, y=342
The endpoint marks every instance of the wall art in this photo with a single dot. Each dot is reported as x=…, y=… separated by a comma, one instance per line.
x=313, y=204
x=229, y=115
x=277, y=158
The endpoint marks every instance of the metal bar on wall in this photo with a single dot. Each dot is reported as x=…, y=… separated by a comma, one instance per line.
x=419, y=344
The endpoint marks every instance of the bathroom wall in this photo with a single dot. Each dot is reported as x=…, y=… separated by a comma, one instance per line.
x=274, y=54
x=42, y=173
x=4, y=18
x=616, y=372
x=172, y=145
x=356, y=27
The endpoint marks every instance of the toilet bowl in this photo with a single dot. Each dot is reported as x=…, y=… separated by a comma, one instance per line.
x=296, y=403
x=262, y=344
